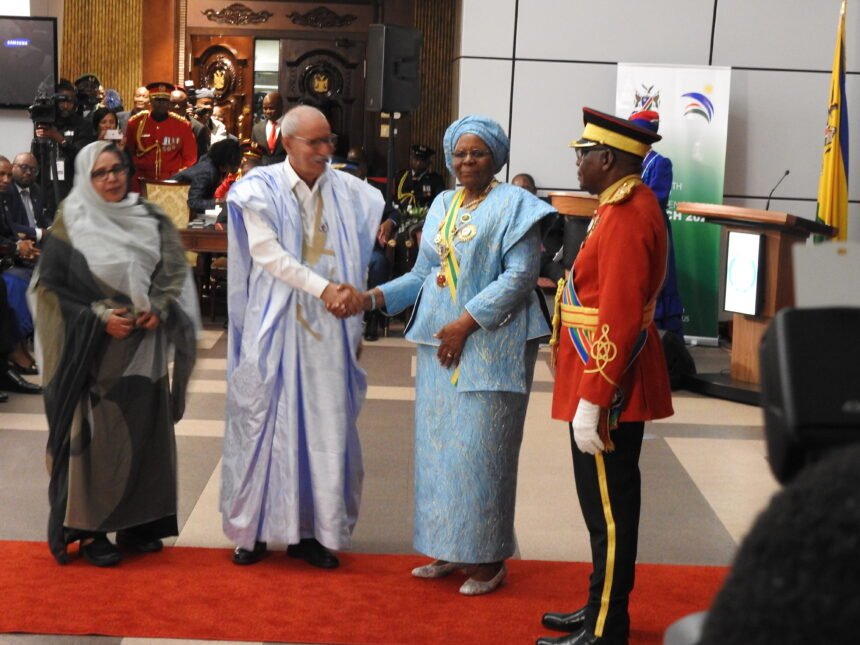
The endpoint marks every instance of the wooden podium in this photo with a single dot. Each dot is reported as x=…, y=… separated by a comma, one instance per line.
x=781, y=231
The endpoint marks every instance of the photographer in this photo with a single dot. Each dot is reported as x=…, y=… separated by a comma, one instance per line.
x=59, y=136
x=204, y=104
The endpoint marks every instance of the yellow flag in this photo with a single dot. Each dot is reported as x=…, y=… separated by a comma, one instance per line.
x=833, y=185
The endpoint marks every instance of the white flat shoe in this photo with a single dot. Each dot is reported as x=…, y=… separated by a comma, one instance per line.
x=434, y=570
x=474, y=587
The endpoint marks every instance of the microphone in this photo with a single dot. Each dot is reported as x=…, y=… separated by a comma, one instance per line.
x=770, y=194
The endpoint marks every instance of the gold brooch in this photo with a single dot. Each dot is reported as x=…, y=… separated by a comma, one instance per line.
x=467, y=233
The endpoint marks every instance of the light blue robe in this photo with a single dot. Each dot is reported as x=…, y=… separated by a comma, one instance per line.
x=467, y=436
x=292, y=461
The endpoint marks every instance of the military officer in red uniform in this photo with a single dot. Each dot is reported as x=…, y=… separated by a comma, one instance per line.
x=611, y=373
x=160, y=143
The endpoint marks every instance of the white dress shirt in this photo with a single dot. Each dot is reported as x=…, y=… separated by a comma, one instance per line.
x=266, y=250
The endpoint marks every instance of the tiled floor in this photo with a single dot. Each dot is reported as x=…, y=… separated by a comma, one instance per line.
x=704, y=472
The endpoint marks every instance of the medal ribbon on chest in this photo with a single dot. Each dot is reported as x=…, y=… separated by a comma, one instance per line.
x=449, y=269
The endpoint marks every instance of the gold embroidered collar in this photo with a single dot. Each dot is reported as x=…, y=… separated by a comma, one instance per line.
x=619, y=191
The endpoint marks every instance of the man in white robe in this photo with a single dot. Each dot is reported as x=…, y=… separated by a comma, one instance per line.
x=300, y=234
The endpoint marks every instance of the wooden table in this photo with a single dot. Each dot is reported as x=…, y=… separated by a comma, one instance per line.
x=204, y=240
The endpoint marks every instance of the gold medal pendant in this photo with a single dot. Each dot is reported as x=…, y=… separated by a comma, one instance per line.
x=467, y=233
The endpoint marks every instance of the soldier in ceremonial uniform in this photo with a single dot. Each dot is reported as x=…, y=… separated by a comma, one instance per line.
x=610, y=374
x=418, y=186
x=160, y=143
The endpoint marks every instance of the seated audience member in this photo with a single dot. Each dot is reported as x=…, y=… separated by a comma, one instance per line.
x=795, y=577
x=552, y=236
x=13, y=350
x=252, y=156
x=207, y=174
x=28, y=213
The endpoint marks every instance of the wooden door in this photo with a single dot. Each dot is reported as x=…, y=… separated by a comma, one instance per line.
x=328, y=74
x=225, y=64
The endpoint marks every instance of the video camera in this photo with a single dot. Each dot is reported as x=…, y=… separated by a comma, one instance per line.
x=45, y=110
x=191, y=91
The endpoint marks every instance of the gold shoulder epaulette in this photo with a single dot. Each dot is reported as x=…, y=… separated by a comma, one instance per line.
x=139, y=115
x=623, y=192
x=179, y=118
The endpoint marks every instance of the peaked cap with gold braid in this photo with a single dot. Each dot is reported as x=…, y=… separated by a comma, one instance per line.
x=603, y=129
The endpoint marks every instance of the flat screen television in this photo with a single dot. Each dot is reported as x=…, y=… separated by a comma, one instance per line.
x=744, y=279
x=28, y=59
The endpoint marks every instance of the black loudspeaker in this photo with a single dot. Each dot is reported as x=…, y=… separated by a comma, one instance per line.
x=810, y=385
x=393, y=82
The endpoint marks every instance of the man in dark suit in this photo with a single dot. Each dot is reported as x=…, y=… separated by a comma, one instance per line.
x=267, y=134
x=28, y=213
x=11, y=248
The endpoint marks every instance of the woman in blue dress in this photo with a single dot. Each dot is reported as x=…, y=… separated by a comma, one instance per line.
x=477, y=323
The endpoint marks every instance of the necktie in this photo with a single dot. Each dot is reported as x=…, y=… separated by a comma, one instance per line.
x=28, y=206
x=273, y=136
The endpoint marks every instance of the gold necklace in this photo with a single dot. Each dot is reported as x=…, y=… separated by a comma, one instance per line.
x=472, y=205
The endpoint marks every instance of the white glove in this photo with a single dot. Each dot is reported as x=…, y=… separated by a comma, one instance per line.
x=585, y=427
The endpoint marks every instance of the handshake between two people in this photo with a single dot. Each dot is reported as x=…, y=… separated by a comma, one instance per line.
x=343, y=300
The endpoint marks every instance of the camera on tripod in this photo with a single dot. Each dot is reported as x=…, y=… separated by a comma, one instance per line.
x=45, y=110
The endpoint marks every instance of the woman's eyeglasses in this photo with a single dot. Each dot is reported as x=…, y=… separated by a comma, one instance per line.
x=102, y=173
x=477, y=155
x=322, y=141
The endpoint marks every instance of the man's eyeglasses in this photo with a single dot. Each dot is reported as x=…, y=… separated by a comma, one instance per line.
x=477, y=155
x=330, y=140
x=32, y=170
x=102, y=173
x=581, y=152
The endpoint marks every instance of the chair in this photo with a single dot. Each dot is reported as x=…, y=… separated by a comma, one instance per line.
x=171, y=197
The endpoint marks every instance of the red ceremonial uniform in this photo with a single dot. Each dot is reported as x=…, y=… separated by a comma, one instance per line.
x=619, y=271
x=159, y=149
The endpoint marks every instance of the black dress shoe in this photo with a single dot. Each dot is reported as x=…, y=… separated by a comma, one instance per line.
x=581, y=637
x=139, y=542
x=313, y=553
x=28, y=371
x=371, y=328
x=100, y=552
x=244, y=556
x=564, y=622
x=3, y=397
x=12, y=381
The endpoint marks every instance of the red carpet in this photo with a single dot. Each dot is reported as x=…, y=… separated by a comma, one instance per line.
x=198, y=593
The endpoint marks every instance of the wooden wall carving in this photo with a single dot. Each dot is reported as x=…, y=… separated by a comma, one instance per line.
x=225, y=64
x=321, y=18
x=237, y=14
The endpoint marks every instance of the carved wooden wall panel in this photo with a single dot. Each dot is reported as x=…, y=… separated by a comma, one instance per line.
x=226, y=65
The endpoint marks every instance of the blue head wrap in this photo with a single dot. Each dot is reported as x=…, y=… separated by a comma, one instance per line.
x=484, y=127
x=112, y=100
